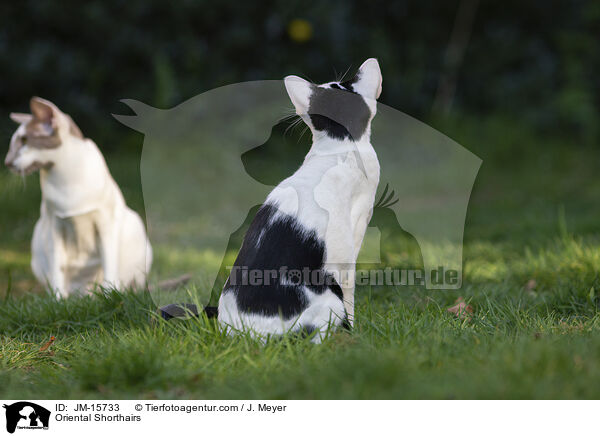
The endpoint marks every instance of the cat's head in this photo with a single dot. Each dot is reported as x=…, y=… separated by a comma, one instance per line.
x=339, y=110
x=40, y=134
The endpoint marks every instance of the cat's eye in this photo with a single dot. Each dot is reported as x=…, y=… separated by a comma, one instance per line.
x=23, y=140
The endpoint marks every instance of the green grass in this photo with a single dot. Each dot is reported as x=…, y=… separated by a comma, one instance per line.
x=534, y=216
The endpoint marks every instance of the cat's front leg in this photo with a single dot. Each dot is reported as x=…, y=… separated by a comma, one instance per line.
x=348, y=292
x=341, y=250
x=341, y=262
x=54, y=259
x=360, y=229
x=108, y=230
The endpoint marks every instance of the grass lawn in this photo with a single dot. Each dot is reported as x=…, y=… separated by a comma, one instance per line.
x=531, y=265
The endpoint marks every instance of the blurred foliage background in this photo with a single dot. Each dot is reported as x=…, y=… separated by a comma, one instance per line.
x=535, y=62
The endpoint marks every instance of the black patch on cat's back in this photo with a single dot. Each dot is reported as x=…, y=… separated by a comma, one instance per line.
x=341, y=113
x=273, y=242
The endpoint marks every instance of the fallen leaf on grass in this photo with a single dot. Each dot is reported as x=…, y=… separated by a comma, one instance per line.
x=47, y=344
x=461, y=309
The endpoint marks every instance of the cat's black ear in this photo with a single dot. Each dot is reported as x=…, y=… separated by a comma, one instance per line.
x=368, y=80
x=299, y=91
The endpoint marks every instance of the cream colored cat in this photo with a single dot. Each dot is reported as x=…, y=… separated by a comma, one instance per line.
x=86, y=234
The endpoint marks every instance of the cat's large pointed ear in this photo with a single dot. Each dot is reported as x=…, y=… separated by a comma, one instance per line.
x=299, y=91
x=368, y=79
x=43, y=110
x=20, y=118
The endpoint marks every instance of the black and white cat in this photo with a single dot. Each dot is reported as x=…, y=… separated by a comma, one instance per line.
x=295, y=269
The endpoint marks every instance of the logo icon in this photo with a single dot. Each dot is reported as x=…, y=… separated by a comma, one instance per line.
x=26, y=415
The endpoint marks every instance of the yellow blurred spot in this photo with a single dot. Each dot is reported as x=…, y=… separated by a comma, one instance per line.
x=300, y=30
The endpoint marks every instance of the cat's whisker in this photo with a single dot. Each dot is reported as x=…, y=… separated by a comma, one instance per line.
x=285, y=132
x=344, y=75
x=288, y=113
x=303, y=132
x=335, y=74
x=310, y=80
x=292, y=126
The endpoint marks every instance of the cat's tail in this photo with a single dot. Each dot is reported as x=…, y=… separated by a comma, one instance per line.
x=186, y=310
x=182, y=310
